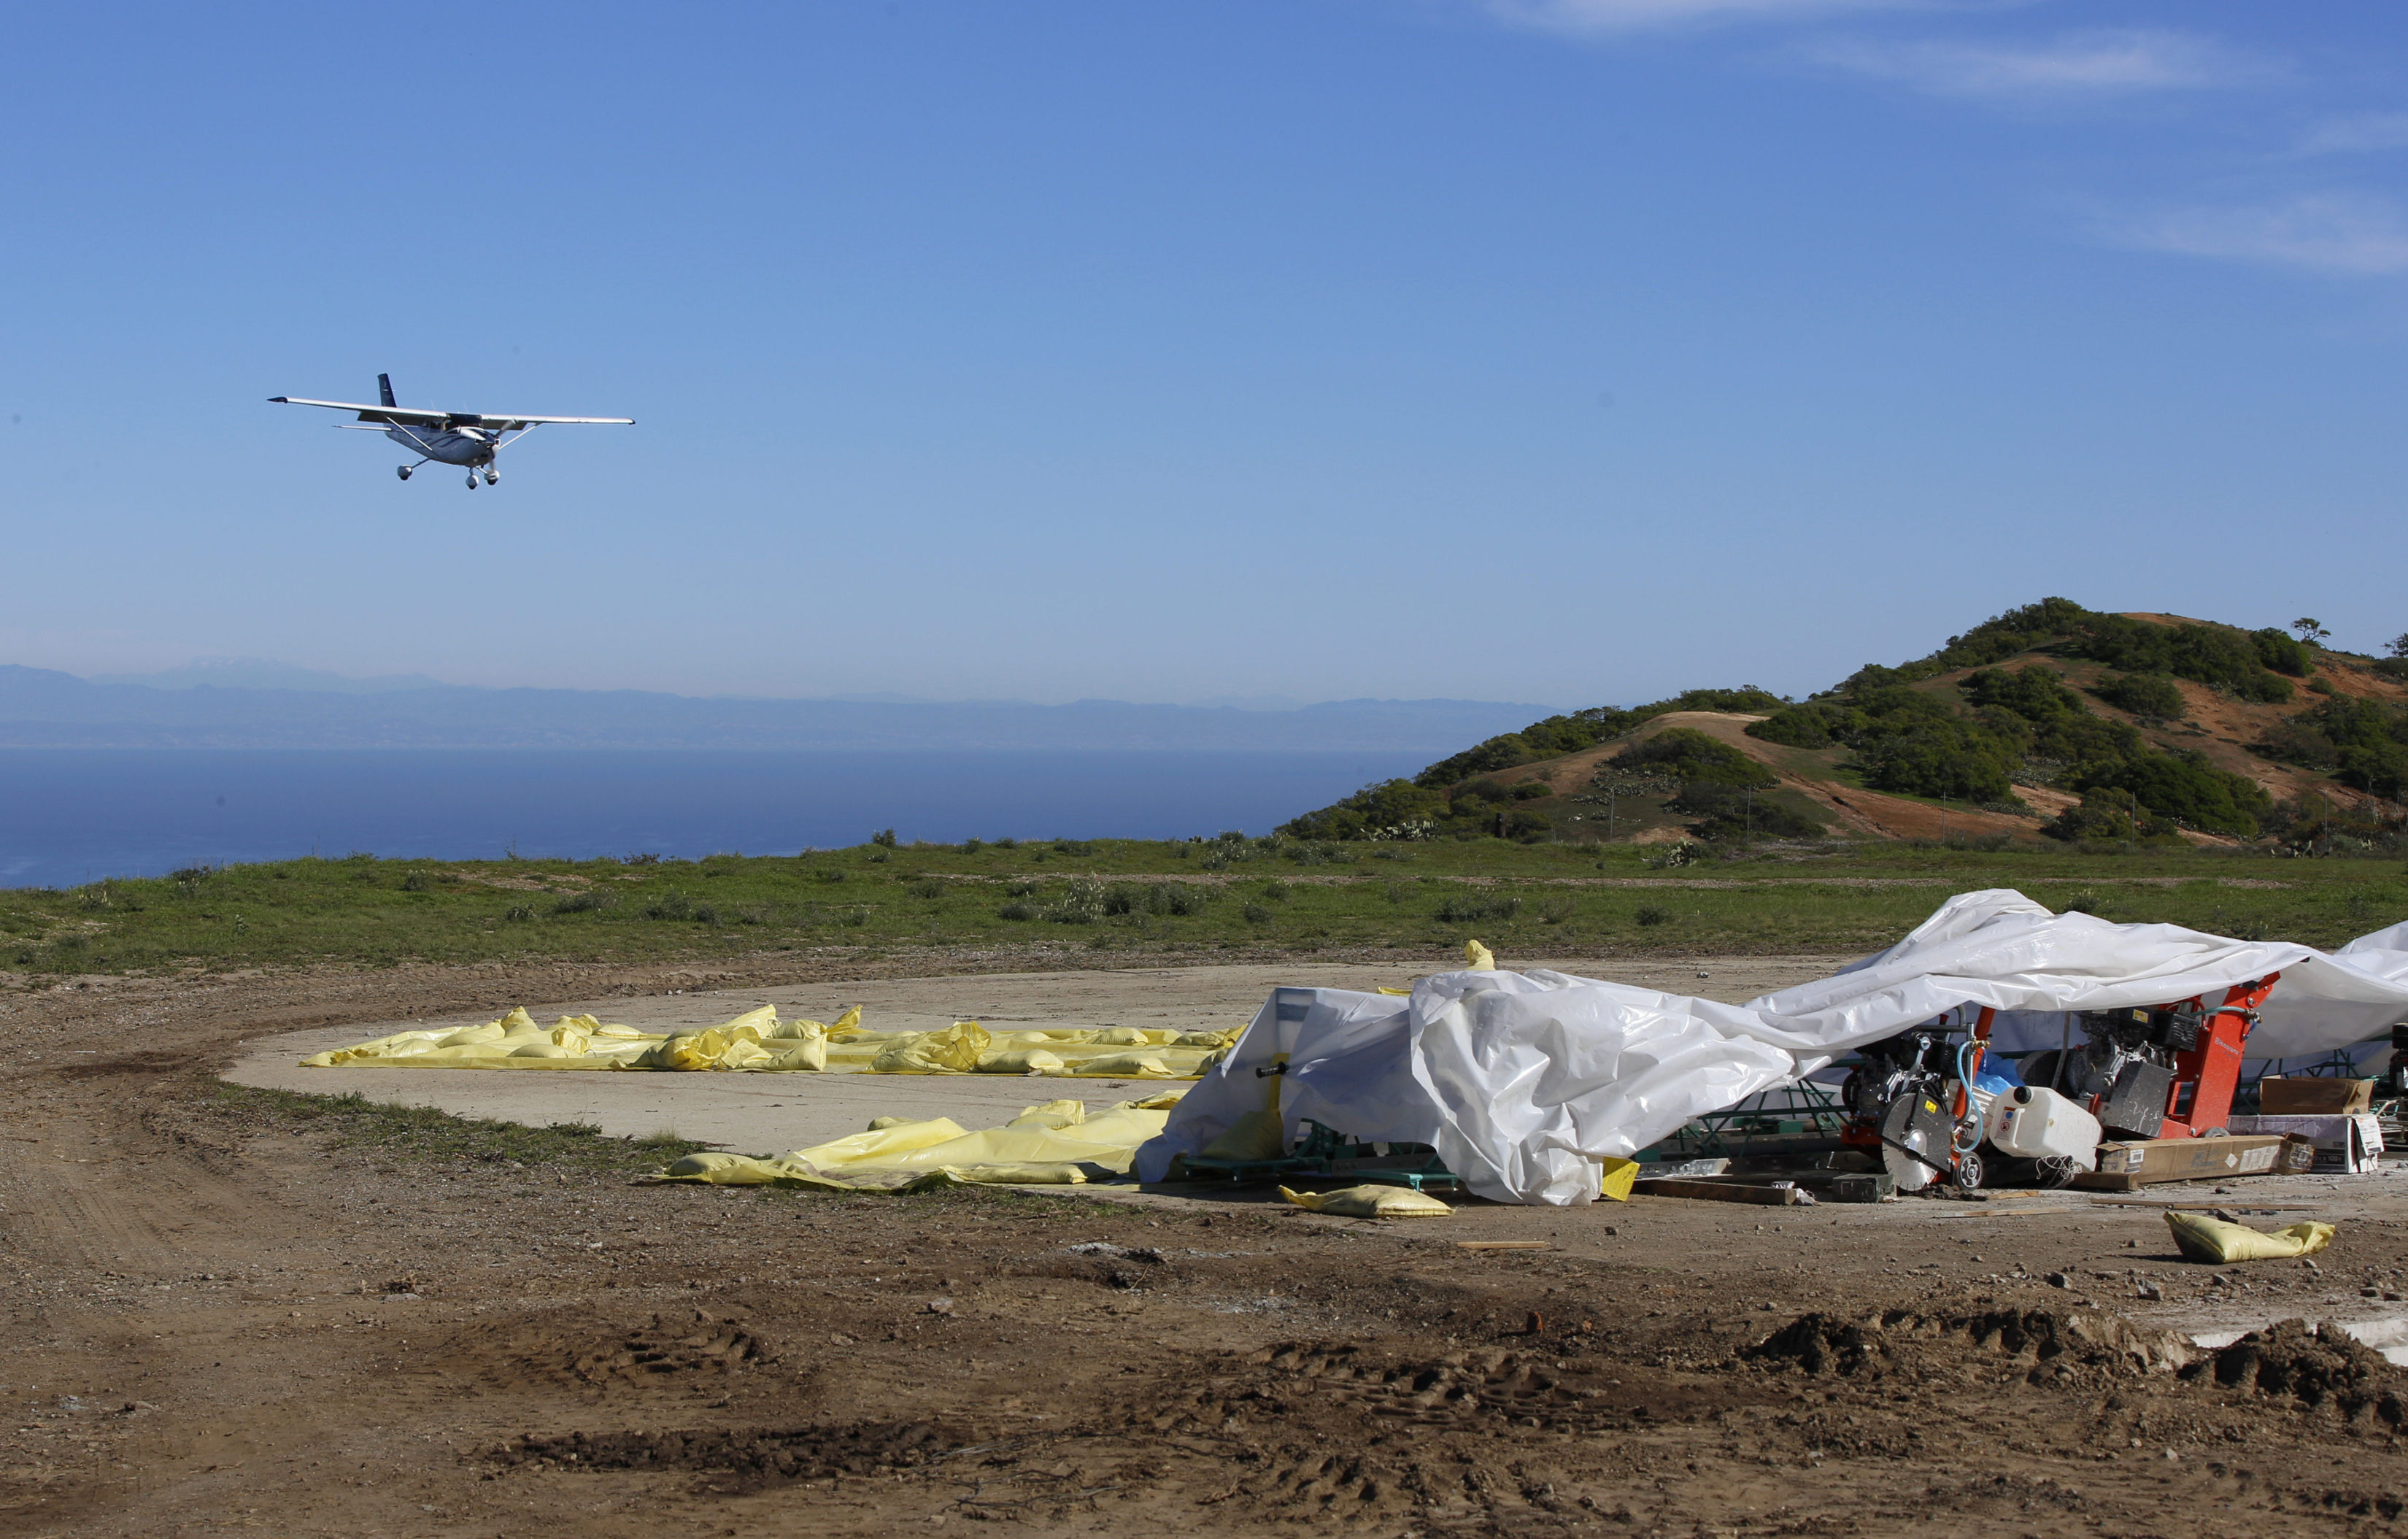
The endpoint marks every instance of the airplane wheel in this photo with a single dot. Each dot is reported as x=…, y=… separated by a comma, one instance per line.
x=472, y=481
x=402, y=470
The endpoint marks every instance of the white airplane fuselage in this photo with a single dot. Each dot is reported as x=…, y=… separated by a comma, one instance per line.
x=468, y=446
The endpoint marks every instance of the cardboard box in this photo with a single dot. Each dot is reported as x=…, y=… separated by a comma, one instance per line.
x=2314, y=1097
x=2143, y=1162
x=2344, y=1144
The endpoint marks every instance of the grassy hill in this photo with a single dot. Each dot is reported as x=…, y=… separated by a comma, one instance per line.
x=2048, y=725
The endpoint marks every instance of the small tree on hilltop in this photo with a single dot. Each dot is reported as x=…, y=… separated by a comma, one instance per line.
x=2311, y=631
x=2398, y=645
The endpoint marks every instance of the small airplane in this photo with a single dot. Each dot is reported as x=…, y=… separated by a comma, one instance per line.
x=455, y=437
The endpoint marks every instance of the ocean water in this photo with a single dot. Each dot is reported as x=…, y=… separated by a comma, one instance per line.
x=73, y=815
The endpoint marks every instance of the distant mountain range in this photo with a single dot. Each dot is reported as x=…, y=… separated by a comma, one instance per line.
x=240, y=704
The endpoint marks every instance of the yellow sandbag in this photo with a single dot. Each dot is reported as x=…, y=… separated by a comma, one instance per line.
x=1019, y=1060
x=1371, y=1202
x=1616, y=1178
x=846, y=1024
x=1050, y=1114
x=955, y=1050
x=1259, y=1134
x=1396, y=993
x=1117, y=1036
x=1478, y=958
x=1124, y=1066
x=798, y=1031
x=2220, y=1241
x=548, y=1050
x=724, y=1169
x=1038, y=1175
x=805, y=1056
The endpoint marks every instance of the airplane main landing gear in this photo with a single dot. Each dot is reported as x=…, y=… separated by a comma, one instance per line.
x=403, y=470
x=472, y=481
x=493, y=477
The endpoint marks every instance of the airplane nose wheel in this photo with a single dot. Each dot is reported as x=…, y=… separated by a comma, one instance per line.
x=472, y=481
x=402, y=470
x=493, y=477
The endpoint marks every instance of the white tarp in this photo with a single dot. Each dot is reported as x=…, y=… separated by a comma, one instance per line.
x=1523, y=1080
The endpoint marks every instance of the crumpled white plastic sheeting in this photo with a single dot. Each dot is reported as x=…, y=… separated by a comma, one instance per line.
x=1523, y=1080
x=1998, y=948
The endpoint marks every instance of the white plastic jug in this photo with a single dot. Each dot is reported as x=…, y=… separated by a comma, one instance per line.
x=2040, y=1124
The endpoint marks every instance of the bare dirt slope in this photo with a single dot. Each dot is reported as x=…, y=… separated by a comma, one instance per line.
x=215, y=1326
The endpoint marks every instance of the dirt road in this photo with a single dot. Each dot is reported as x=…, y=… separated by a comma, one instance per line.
x=218, y=1324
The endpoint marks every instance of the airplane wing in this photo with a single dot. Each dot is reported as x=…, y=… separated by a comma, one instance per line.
x=374, y=413
x=421, y=417
x=513, y=424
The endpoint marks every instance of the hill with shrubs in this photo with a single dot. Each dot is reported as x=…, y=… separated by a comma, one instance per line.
x=2048, y=723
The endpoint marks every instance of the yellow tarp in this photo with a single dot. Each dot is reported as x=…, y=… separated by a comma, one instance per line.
x=758, y=1042
x=1052, y=1144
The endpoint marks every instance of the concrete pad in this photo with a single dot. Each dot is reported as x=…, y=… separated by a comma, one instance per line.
x=771, y=1114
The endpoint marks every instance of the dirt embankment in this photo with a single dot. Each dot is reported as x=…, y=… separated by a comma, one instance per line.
x=219, y=1322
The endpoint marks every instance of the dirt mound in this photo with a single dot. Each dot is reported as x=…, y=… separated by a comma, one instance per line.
x=2316, y=1365
x=755, y=1456
x=1919, y=1345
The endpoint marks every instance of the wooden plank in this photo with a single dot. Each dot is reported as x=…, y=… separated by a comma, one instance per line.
x=1720, y=1191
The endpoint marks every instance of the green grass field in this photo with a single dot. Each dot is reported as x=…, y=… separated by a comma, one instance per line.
x=1133, y=896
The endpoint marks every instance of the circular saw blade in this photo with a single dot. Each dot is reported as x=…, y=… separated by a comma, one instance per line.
x=1917, y=1122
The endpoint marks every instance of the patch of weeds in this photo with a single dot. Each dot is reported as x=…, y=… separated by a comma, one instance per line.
x=518, y=914
x=1650, y=916
x=1081, y=904
x=883, y=839
x=585, y=902
x=1478, y=911
x=1017, y=910
x=1275, y=890
x=1556, y=910
x=671, y=905
x=421, y=1134
x=1021, y=889
x=828, y=873
x=1257, y=914
x=927, y=886
x=1177, y=899
x=419, y=881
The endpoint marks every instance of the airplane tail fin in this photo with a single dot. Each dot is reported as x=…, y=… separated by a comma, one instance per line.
x=384, y=390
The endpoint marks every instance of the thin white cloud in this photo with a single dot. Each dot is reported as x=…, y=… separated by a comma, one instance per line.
x=2079, y=65
x=2363, y=132
x=1593, y=16
x=2359, y=235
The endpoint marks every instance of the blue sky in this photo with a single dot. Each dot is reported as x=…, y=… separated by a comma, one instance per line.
x=1550, y=349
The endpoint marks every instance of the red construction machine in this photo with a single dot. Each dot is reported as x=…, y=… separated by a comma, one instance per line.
x=2164, y=1070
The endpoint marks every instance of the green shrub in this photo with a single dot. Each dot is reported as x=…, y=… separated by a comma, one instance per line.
x=2185, y=788
x=1016, y=909
x=1177, y=899
x=1475, y=910
x=1689, y=755
x=1257, y=914
x=927, y=886
x=883, y=838
x=1725, y=814
x=1651, y=915
x=584, y=902
x=2145, y=695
